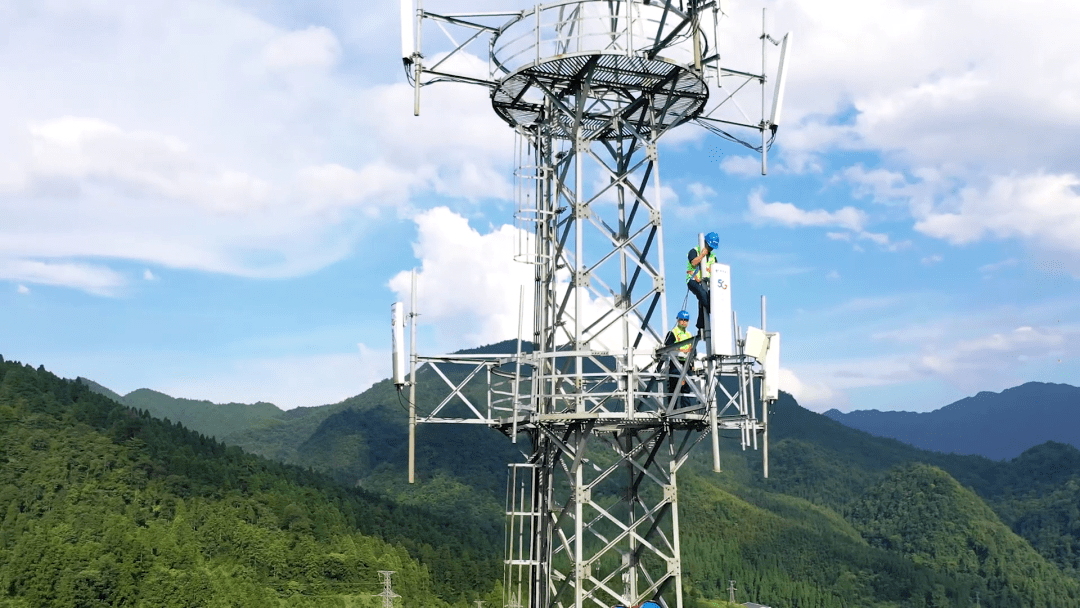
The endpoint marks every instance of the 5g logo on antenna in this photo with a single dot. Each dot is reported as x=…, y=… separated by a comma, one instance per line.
x=720, y=283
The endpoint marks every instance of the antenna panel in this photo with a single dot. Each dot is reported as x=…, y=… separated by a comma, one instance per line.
x=757, y=343
x=408, y=15
x=397, y=323
x=781, y=80
x=722, y=326
x=771, y=390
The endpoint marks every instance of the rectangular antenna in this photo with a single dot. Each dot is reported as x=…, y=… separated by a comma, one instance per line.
x=771, y=388
x=397, y=323
x=722, y=330
x=781, y=81
x=408, y=16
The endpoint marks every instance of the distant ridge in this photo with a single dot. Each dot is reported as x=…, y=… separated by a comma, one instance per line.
x=211, y=419
x=995, y=425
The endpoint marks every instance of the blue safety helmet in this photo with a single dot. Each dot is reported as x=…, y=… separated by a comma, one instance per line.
x=712, y=240
x=683, y=316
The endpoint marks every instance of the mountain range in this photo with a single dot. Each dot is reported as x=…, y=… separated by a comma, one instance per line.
x=845, y=519
x=996, y=425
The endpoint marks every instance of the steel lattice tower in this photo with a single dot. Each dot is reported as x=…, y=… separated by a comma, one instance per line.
x=590, y=86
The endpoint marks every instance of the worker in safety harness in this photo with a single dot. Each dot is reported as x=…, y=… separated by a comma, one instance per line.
x=697, y=281
x=676, y=335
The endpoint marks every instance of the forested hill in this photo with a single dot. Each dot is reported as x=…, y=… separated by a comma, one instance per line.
x=123, y=509
x=217, y=420
x=995, y=425
x=104, y=505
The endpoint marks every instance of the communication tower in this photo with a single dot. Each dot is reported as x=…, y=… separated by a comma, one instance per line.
x=589, y=87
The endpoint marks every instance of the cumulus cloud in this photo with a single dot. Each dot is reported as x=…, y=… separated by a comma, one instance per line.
x=700, y=191
x=848, y=90
x=224, y=143
x=850, y=218
x=816, y=396
x=943, y=122
x=1042, y=209
x=787, y=214
x=23, y=290
x=469, y=284
x=741, y=165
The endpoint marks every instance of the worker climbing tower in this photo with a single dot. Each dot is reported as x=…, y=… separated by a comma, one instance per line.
x=589, y=87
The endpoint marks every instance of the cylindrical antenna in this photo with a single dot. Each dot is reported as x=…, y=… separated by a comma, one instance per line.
x=397, y=325
x=417, y=58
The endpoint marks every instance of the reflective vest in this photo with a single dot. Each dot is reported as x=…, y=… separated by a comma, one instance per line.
x=680, y=335
x=692, y=271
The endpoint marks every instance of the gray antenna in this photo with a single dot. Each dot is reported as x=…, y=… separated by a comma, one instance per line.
x=388, y=594
x=590, y=86
x=725, y=116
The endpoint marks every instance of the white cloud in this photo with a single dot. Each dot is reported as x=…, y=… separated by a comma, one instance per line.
x=23, y=289
x=930, y=260
x=741, y=165
x=977, y=351
x=700, y=191
x=1041, y=209
x=933, y=106
x=91, y=278
x=469, y=285
x=287, y=381
x=207, y=138
x=935, y=119
x=787, y=214
x=995, y=266
x=833, y=275
x=314, y=47
x=816, y=396
x=148, y=276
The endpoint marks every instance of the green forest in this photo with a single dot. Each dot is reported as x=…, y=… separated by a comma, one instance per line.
x=106, y=505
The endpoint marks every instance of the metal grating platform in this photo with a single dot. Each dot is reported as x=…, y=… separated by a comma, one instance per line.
x=620, y=96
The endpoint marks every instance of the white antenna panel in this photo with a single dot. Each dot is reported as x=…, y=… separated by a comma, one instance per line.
x=722, y=325
x=771, y=390
x=407, y=17
x=397, y=323
x=757, y=343
x=781, y=81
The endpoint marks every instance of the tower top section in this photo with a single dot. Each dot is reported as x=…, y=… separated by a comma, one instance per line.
x=636, y=66
x=595, y=69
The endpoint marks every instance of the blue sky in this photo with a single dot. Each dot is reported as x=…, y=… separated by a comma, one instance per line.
x=218, y=199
